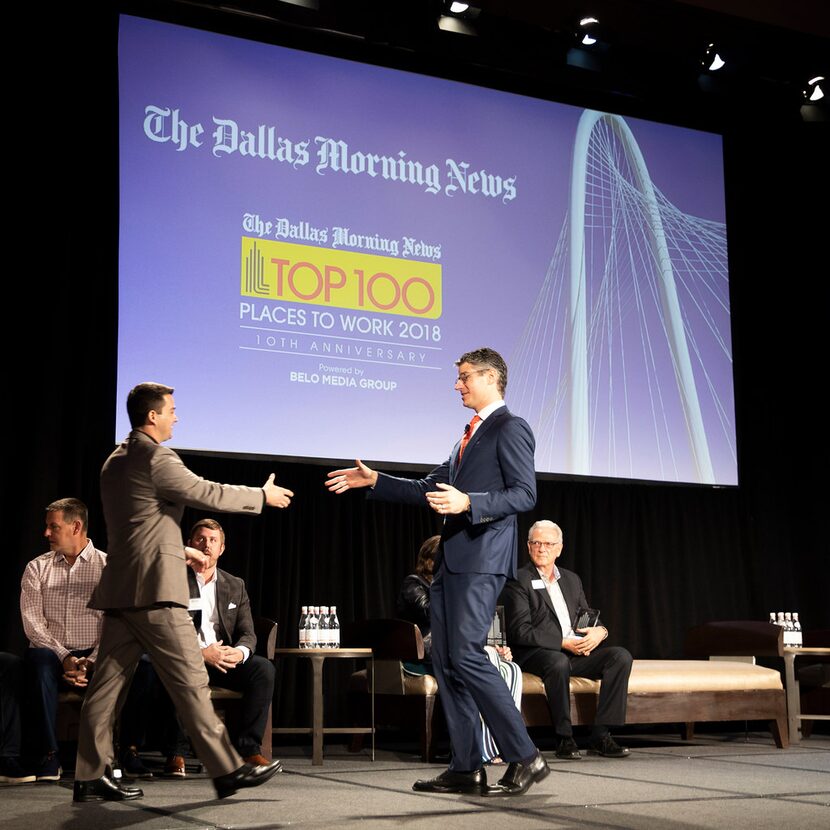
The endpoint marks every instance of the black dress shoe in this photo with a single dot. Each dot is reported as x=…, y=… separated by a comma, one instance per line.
x=470, y=783
x=247, y=775
x=608, y=748
x=132, y=766
x=568, y=750
x=519, y=777
x=104, y=789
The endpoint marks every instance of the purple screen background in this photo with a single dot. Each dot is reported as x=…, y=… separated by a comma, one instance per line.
x=181, y=230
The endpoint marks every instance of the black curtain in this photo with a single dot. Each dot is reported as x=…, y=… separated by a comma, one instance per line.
x=655, y=559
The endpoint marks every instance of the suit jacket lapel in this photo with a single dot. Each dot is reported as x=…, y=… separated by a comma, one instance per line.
x=546, y=596
x=483, y=427
x=222, y=602
x=454, y=461
x=571, y=597
x=193, y=592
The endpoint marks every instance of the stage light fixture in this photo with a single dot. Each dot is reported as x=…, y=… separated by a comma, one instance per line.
x=814, y=91
x=711, y=60
x=588, y=31
x=459, y=18
x=313, y=5
x=589, y=49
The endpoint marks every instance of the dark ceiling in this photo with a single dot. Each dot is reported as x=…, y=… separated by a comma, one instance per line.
x=647, y=61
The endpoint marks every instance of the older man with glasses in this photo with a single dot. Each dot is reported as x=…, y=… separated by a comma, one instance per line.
x=544, y=607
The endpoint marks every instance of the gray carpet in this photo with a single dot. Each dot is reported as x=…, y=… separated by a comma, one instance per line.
x=721, y=781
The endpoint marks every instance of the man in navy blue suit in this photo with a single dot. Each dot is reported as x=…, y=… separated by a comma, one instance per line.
x=488, y=479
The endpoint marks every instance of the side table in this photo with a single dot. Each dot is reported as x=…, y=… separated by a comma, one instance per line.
x=318, y=657
x=794, y=715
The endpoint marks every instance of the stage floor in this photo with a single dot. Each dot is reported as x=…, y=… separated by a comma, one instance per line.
x=717, y=781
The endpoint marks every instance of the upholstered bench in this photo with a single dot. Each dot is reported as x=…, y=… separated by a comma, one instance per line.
x=677, y=691
x=659, y=691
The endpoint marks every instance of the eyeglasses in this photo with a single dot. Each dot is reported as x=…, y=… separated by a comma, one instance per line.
x=465, y=376
x=535, y=544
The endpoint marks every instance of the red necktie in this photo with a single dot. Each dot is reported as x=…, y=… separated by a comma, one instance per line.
x=468, y=433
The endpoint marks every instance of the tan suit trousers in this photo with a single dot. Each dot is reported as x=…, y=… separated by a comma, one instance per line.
x=167, y=635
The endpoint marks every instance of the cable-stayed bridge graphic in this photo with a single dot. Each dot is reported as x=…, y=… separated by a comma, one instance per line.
x=624, y=366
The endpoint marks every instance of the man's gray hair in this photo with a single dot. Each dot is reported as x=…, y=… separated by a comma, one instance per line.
x=546, y=523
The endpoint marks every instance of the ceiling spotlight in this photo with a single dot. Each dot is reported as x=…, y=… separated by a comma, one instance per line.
x=711, y=60
x=588, y=32
x=814, y=91
x=459, y=18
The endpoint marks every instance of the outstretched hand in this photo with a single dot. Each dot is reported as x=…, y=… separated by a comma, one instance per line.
x=351, y=478
x=276, y=496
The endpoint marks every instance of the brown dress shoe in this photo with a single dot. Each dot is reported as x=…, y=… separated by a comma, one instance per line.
x=260, y=761
x=174, y=767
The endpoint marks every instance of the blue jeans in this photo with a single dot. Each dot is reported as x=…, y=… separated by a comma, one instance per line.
x=44, y=673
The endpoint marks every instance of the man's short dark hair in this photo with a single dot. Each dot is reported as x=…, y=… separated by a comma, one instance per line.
x=144, y=398
x=489, y=358
x=74, y=510
x=211, y=524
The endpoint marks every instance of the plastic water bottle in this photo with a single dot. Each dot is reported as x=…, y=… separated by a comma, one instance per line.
x=303, y=626
x=798, y=639
x=780, y=621
x=334, y=628
x=323, y=638
x=788, y=630
x=313, y=624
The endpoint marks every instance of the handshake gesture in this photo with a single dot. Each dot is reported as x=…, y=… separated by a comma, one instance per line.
x=445, y=500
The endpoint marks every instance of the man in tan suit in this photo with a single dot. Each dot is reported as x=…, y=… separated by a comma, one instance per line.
x=144, y=489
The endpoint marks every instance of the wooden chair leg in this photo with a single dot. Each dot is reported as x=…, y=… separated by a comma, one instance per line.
x=267, y=738
x=426, y=729
x=688, y=731
x=780, y=732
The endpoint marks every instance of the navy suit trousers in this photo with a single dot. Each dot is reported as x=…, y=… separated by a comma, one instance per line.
x=461, y=609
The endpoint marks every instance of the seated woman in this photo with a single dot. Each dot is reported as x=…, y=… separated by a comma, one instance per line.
x=413, y=606
x=413, y=602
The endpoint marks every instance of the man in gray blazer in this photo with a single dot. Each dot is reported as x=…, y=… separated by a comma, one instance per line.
x=143, y=590
x=541, y=608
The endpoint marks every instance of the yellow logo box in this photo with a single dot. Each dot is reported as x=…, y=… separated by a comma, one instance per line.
x=345, y=279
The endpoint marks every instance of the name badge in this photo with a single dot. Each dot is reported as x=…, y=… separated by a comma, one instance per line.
x=538, y=583
x=194, y=604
